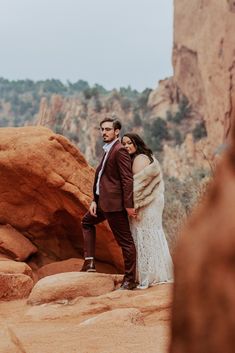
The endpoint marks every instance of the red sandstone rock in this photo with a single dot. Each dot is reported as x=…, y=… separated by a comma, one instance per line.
x=118, y=317
x=203, y=60
x=71, y=265
x=4, y=257
x=9, y=266
x=46, y=187
x=55, y=327
x=156, y=299
x=204, y=300
x=14, y=244
x=85, y=129
x=164, y=98
x=70, y=285
x=14, y=286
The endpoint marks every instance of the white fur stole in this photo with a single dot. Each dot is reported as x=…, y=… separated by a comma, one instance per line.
x=146, y=184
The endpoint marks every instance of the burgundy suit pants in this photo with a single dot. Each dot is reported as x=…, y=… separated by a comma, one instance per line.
x=119, y=224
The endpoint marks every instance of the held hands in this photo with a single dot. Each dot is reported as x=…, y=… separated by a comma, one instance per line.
x=93, y=208
x=131, y=212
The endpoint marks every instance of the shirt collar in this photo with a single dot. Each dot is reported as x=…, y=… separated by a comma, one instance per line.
x=108, y=146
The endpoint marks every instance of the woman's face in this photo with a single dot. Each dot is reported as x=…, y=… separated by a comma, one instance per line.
x=128, y=144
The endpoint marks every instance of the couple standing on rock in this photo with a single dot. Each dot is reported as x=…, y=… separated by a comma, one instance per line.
x=129, y=193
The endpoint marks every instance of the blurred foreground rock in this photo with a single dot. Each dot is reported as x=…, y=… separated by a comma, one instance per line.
x=204, y=300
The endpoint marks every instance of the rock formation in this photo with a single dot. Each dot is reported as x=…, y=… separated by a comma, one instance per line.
x=183, y=161
x=204, y=61
x=204, y=72
x=119, y=321
x=165, y=98
x=69, y=286
x=78, y=119
x=45, y=186
x=204, y=271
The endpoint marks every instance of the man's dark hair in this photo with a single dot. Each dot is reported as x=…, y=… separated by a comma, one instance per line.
x=116, y=123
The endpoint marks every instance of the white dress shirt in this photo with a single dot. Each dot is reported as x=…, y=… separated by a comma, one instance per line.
x=107, y=147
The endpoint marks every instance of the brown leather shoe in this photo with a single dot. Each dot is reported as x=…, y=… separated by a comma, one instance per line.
x=127, y=285
x=88, y=266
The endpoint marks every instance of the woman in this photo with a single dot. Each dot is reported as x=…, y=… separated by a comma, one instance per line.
x=154, y=263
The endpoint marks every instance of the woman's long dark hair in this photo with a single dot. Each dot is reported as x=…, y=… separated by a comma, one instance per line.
x=141, y=147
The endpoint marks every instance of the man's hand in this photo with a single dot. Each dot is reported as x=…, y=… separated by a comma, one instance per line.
x=93, y=208
x=131, y=212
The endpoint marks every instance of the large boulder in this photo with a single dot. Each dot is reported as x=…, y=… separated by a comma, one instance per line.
x=14, y=244
x=15, y=286
x=71, y=265
x=9, y=266
x=45, y=187
x=70, y=285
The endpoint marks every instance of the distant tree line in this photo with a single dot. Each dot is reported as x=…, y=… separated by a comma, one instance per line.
x=24, y=97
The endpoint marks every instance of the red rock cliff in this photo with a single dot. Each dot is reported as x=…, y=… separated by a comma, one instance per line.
x=204, y=61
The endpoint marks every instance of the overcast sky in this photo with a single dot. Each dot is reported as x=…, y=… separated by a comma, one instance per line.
x=111, y=42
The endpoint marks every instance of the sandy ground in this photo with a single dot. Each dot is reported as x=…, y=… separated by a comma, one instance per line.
x=58, y=327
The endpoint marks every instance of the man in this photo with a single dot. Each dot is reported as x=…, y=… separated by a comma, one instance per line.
x=113, y=200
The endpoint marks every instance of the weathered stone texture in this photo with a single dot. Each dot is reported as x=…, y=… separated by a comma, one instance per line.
x=46, y=188
x=204, y=61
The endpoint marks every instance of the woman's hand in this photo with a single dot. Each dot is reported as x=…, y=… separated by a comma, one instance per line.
x=131, y=212
x=93, y=209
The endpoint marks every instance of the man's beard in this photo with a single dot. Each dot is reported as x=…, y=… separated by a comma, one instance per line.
x=106, y=139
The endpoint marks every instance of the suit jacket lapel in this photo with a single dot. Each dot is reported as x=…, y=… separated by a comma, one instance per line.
x=110, y=154
x=98, y=168
x=111, y=150
x=101, y=162
x=100, y=165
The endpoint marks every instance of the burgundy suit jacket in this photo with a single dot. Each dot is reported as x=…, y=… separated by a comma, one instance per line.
x=116, y=182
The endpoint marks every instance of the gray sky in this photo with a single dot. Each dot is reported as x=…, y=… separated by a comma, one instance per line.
x=111, y=42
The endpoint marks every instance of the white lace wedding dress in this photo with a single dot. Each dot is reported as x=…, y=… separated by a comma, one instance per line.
x=154, y=263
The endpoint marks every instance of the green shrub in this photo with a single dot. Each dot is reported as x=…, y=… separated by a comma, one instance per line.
x=177, y=137
x=169, y=116
x=159, y=128
x=73, y=136
x=143, y=99
x=78, y=86
x=199, y=131
x=180, y=199
x=137, y=120
x=126, y=104
x=184, y=110
x=155, y=133
x=98, y=105
x=128, y=92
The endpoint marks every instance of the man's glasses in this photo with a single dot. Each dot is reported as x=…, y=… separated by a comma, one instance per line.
x=106, y=129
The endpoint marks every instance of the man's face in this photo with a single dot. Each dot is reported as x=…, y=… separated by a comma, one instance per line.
x=108, y=132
